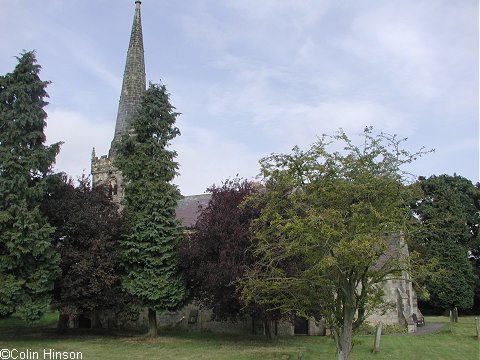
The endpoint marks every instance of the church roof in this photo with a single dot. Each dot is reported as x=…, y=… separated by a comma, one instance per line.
x=190, y=207
x=396, y=247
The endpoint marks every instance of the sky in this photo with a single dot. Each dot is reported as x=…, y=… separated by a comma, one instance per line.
x=253, y=77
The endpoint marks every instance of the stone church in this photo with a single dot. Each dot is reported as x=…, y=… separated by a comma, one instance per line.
x=398, y=292
x=133, y=89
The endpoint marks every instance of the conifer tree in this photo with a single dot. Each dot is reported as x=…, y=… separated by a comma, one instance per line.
x=148, y=168
x=28, y=262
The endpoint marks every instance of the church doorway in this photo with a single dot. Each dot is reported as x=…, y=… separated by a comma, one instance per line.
x=300, y=326
x=83, y=322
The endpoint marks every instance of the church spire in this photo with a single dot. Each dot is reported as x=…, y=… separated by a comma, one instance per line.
x=134, y=84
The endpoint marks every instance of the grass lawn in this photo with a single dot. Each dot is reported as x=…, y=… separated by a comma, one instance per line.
x=461, y=344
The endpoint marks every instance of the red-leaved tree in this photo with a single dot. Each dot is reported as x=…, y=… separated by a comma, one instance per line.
x=88, y=227
x=217, y=251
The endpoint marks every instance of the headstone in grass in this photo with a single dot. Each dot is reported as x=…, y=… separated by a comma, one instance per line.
x=455, y=314
x=378, y=334
x=477, y=326
x=451, y=321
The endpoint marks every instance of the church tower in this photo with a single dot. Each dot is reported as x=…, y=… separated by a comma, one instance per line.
x=133, y=89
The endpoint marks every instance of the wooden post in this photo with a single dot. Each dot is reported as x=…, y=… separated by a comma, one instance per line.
x=477, y=326
x=378, y=334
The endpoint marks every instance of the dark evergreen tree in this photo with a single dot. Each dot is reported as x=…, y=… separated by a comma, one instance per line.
x=88, y=228
x=455, y=286
x=148, y=167
x=449, y=215
x=28, y=262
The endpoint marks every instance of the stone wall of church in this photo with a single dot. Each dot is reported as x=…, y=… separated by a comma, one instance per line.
x=399, y=303
x=193, y=318
x=104, y=173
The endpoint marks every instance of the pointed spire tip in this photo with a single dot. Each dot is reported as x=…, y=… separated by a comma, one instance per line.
x=134, y=84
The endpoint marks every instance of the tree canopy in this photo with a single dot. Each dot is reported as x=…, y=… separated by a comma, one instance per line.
x=88, y=229
x=148, y=167
x=217, y=251
x=327, y=218
x=449, y=215
x=28, y=262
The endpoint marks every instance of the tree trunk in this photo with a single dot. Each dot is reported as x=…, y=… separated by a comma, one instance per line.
x=344, y=346
x=95, y=317
x=269, y=328
x=152, y=323
x=62, y=323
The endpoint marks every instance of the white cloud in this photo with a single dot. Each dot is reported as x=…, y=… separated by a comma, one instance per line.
x=206, y=31
x=285, y=115
x=208, y=158
x=396, y=45
x=253, y=77
x=448, y=159
x=83, y=52
x=414, y=47
x=300, y=13
x=300, y=124
x=79, y=135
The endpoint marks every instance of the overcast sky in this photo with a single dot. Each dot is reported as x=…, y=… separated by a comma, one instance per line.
x=253, y=77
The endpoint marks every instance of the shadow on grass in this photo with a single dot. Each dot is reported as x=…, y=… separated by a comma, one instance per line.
x=16, y=329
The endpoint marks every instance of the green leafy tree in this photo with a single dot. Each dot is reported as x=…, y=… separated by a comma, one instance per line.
x=449, y=215
x=88, y=228
x=28, y=262
x=327, y=220
x=148, y=166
